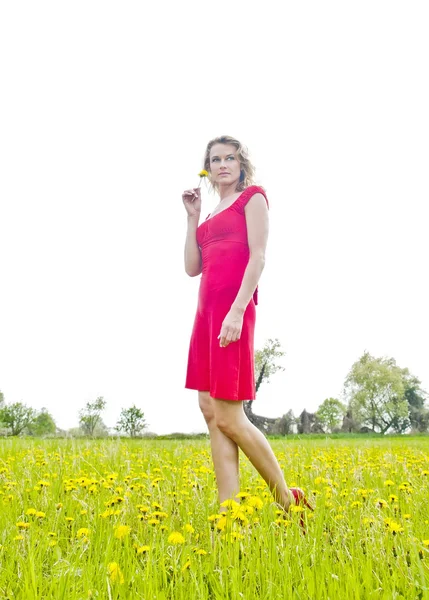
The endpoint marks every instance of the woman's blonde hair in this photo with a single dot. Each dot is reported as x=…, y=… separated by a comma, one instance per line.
x=247, y=170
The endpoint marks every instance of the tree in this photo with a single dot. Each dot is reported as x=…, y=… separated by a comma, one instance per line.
x=304, y=422
x=418, y=413
x=308, y=422
x=43, y=424
x=284, y=425
x=350, y=425
x=330, y=413
x=90, y=416
x=265, y=366
x=1, y=399
x=131, y=421
x=16, y=417
x=376, y=393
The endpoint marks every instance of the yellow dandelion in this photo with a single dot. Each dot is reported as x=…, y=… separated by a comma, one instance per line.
x=154, y=521
x=221, y=524
x=356, y=504
x=407, y=516
x=159, y=514
x=115, y=573
x=389, y=483
x=188, y=528
x=395, y=527
x=142, y=549
x=52, y=543
x=122, y=531
x=393, y=498
x=405, y=487
x=22, y=525
x=242, y=495
x=31, y=511
x=186, y=565
x=18, y=537
x=229, y=503
x=201, y=174
x=255, y=502
x=40, y=514
x=200, y=551
x=52, y=534
x=82, y=532
x=426, y=543
x=176, y=538
x=381, y=503
x=213, y=517
x=59, y=505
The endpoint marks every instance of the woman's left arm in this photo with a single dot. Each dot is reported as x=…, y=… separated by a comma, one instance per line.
x=256, y=213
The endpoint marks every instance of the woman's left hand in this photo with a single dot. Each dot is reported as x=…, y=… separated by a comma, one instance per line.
x=231, y=328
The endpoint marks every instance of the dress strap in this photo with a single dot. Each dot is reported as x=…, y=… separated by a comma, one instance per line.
x=247, y=194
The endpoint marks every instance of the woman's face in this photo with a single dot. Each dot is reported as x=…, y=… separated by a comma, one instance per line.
x=224, y=165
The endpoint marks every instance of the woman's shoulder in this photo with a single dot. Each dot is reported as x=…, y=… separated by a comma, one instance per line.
x=248, y=193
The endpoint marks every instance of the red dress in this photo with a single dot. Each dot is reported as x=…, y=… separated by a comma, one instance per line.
x=227, y=373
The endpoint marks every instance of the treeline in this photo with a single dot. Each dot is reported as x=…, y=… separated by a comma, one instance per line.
x=19, y=419
x=378, y=397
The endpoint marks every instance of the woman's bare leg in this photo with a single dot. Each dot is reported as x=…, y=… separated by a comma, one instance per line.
x=224, y=453
x=232, y=421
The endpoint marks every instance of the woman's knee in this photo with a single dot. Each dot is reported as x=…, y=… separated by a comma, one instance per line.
x=229, y=418
x=206, y=407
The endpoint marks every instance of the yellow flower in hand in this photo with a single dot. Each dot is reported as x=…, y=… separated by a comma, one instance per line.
x=202, y=174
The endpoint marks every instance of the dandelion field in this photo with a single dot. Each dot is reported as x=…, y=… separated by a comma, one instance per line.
x=139, y=519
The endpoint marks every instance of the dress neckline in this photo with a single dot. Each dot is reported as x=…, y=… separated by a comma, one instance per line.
x=209, y=218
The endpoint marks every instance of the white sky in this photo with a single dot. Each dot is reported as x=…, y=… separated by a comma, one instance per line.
x=105, y=111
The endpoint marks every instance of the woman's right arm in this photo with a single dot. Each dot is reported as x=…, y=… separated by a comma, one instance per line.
x=193, y=261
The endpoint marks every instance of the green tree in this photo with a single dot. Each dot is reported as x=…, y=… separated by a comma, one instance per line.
x=131, y=421
x=418, y=413
x=90, y=416
x=330, y=413
x=376, y=393
x=16, y=417
x=43, y=424
x=1, y=399
x=265, y=362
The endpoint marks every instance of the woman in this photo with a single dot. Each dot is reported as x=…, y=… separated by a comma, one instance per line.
x=228, y=248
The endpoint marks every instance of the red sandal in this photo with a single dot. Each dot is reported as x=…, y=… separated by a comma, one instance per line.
x=301, y=500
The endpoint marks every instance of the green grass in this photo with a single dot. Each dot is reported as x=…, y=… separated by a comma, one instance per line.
x=374, y=549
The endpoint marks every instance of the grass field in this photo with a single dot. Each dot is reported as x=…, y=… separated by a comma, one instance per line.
x=139, y=519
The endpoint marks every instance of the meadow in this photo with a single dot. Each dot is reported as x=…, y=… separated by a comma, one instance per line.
x=139, y=519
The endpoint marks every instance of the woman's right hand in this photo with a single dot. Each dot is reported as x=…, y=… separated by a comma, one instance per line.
x=192, y=201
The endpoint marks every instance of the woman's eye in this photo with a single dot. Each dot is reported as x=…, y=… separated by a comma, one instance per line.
x=230, y=157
